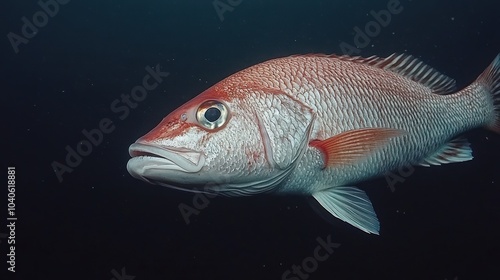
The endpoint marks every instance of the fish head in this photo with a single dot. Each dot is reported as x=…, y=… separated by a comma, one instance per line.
x=220, y=142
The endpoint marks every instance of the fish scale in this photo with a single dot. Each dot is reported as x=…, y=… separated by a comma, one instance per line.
x=355, y=100
x=316, y=125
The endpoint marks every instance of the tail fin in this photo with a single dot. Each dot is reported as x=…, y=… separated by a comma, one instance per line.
x=490, y=80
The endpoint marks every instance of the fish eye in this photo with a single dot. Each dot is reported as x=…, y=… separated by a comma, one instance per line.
x=212, y=114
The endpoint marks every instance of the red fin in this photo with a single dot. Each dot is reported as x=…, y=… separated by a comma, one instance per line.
x=353, y=145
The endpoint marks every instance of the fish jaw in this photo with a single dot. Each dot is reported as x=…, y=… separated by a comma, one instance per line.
x=165, y=165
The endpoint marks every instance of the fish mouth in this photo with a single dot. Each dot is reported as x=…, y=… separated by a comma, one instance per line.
x=153, y=163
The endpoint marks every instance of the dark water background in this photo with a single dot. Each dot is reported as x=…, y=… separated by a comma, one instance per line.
x=440, y=223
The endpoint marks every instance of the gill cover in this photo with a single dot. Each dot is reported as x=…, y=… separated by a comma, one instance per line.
x=285, y=126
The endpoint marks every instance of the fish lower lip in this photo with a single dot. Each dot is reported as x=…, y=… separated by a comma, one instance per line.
x=146, y=157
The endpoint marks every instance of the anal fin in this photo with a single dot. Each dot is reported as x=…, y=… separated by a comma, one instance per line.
x=457, y=150
x=351, y=205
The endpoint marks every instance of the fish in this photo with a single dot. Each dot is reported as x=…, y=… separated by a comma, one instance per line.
x=316, y=125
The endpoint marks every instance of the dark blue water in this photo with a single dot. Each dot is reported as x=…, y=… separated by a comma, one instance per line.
x=97, y=222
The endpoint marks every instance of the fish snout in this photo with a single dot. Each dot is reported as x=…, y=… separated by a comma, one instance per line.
x=152, y=162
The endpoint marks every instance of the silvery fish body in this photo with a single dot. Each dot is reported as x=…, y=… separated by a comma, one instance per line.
x=316, y=125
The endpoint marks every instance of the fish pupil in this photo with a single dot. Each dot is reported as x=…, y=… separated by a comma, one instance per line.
x=212, y=114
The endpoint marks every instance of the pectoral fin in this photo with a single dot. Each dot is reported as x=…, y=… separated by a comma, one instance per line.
x=351, y=205
x=353, y=145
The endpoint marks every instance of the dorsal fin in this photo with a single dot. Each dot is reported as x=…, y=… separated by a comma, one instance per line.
x=407, y=66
